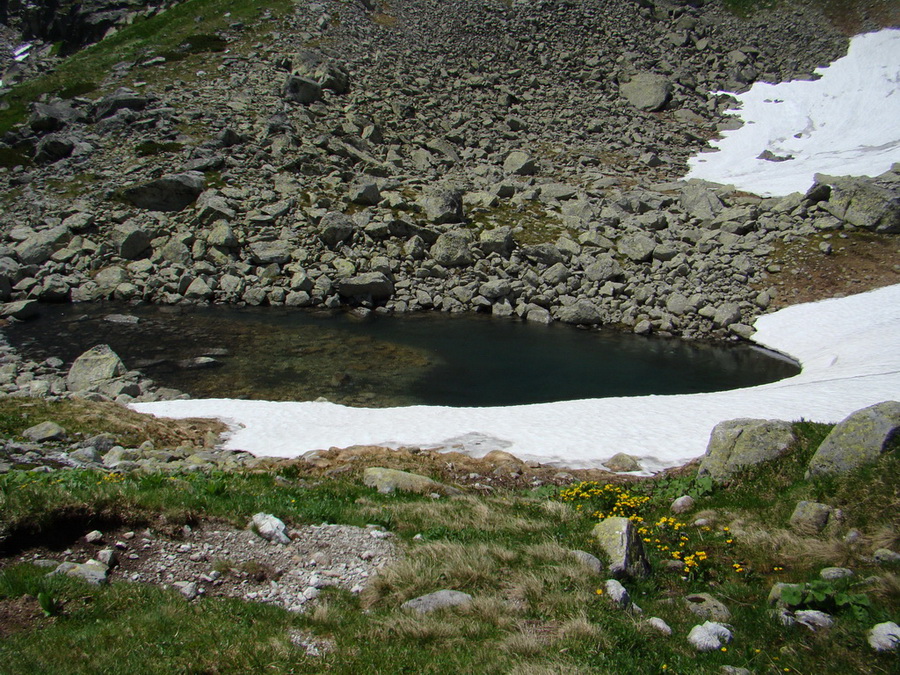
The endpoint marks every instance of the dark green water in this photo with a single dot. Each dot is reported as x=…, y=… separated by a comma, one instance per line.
x=432, y=359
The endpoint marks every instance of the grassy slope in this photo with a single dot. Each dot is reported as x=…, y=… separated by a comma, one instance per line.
x=536, y=609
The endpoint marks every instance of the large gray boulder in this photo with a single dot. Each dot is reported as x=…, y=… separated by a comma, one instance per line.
x=335, y=228
x=453, y=249
x=374, y=285
x=700, y=202
x=646, y=91
x=737, y=444
x=581, y=313
x=858, y=440
x=97, y=366
x=811, y=517
x=172, y=192
x=520, y=164
x=497, y=240
x=130, y=240
x=864, y=204
x=604, y=268
x=621, y=542
x=268, y=252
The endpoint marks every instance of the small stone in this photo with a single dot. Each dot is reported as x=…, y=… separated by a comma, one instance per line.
x=886, y=556
x=187, y=588
x=706, y=606
x=659, y=625
x=833, y=573
x=617, y=593
x=683, y=504
x=94, y=537
x=590, y=561
x=813, y=619
x=269, y=527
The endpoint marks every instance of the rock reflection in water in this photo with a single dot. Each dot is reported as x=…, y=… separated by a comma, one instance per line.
x=283, y=354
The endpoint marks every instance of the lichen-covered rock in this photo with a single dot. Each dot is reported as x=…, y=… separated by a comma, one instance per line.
x=620, y=541
x=647, y=91
x=622, y=462
x=706, y=606
x=374, y=285
x=96, y=366
x=452, y=249
x=737, y=444
x=389, y=480
x=45, y=431
x=858, y=440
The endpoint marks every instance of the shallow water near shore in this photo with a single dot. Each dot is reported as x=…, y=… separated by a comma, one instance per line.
x=284, y=354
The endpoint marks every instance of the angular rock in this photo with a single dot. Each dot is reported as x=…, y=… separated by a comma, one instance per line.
x=130, y=240
x=863, y=204
x=858, y=440
x=442, y=205
x=636, y=247
x=620, y=541
x=604, y=268
x=425, y=604
x=268, y=252
x=374, y=285
x=54, y=147
x=452, y=249
x=364, y=191
x=301, y=90
x=617, y=593
x=21, y=309
x=497, y=240
x=737, y=444
x=520, y=164
x=172, y=192
x=320, y=69
x=389, y=480
x=95, y=367
x=335, y=228
x=580, y=312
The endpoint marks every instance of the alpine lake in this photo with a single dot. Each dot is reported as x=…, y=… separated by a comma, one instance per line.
x=283, y=354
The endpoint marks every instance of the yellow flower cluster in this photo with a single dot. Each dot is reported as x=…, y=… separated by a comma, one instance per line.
x=111, y=478
x=609, y=500
x=693, y=563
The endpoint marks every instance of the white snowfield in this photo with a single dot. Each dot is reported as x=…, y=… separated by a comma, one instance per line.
x=847, y=123
x=848, y=349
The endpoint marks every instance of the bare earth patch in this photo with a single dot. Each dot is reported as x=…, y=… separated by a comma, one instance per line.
x=20, y=614
x=855, y=265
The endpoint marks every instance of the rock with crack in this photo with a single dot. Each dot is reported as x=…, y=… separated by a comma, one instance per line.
x=270, y=527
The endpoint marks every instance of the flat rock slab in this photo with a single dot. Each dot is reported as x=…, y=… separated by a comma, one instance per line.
x=389, y=480
x=437, y=600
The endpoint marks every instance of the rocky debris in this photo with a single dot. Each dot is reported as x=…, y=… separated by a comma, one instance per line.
x=737, y=444
x=425, y=604
x=622, y=545
x=389, y=480
x=215, y=560
x=709, y=636
x=884, y=637
x=270, y=528
x=858, y=440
